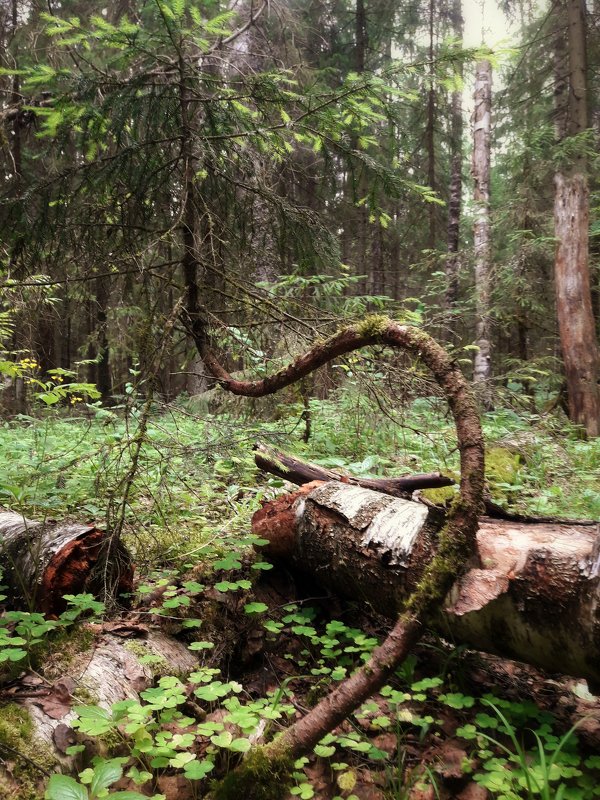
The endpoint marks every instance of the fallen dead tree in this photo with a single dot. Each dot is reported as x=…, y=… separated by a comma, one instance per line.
x=114, y=669
x=42, y=562
x=532, y=591
x=295, y=470
x=272, y=764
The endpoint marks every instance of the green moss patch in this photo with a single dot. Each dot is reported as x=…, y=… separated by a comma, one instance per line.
x=261, y=776
x=16, y=739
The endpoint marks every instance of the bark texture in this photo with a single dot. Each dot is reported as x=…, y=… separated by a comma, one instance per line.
x=114, y=672
x=574, y=300
x=571, y=226
x=371, y=548
x=482, y=126
x=456, y=163
x=44, y=561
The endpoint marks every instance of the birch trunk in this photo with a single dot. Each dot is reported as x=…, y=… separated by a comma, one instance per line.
x=112, y=671
x=531, y=591
x=482, y=123
x=44, y=561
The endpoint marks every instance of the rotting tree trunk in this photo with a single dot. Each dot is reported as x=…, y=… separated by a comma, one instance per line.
x=571, y=226
x=482, y=126
x=372, y=548
x=44, y=561
x=574, y=301
x=456, y=542
x=114, y=670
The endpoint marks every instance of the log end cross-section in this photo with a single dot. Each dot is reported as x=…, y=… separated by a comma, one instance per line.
x=44, y=561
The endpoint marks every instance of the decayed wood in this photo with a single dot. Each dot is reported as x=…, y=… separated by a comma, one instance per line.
x=111, y=672
x=571, y=223
x=574, y=300
x=297, y=471
x=44, y=561
x=531, y=593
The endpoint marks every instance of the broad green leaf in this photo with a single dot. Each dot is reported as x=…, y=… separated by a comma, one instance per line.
x=63, y=787
x=105, y=774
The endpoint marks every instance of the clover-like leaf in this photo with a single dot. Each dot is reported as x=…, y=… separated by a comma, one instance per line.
x=196, y=770
x=255, y=608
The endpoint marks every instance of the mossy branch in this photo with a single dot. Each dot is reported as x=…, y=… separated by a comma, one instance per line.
x=263, y=775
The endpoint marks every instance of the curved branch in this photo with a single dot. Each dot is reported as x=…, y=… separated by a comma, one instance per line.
x=455, y=546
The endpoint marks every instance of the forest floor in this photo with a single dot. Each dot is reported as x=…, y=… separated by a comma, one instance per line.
x=450, y=723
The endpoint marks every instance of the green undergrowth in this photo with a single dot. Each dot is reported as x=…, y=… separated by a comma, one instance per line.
x=187, y=521
x=402, y=739
x=196, y=486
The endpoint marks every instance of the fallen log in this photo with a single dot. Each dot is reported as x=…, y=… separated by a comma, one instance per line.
x=41, y=709
x=296, y=471
x=531, y=593
x=42, y=562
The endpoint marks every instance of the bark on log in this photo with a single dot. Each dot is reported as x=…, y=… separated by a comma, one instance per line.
x=297, y=471
x=44, y=561
x=455, y=543
x=112, y=671
x=532, y=592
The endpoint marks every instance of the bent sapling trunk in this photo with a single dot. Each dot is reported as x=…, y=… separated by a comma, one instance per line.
x=265, y=771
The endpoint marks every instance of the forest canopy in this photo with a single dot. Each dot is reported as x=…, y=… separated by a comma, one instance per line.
x=287, y=165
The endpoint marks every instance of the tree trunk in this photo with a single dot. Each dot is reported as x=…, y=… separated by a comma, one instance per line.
x=571, y=228
x=430, y=130
x=44, y=561
x=359, y=219
x=195, y=311
x=573, y=300
x=372, y=548
x=104, y=381
x=16, y=98
x=113, y=670
x=482, y=123
x=455, y=544
x=456, y=159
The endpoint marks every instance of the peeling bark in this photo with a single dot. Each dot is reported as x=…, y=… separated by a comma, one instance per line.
x=574, y=301
x=531, y=592
x=456, y=540
x=571, y=226
x=44, y=561
x=112, y=673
